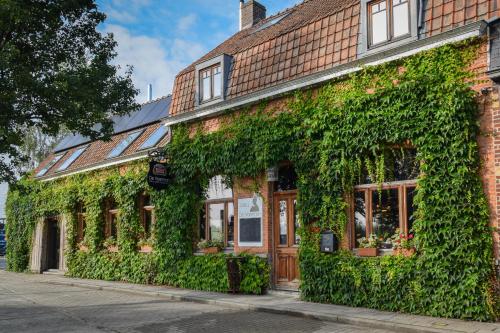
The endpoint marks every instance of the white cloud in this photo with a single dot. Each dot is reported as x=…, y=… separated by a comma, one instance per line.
x=155, y=61
x=125, y=11
x=186, y=22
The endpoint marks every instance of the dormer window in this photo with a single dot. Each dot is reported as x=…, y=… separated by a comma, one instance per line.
x=211, y=83
x=211, y=80
x=388, y=20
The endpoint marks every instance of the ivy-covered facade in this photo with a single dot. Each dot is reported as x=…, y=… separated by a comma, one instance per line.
x=391, y=150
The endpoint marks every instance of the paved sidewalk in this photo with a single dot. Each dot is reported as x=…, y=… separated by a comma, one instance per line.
x=287, y=304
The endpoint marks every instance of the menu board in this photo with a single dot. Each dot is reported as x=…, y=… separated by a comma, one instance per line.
x=250, y=221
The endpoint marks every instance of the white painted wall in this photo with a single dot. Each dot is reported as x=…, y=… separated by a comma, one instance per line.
x=3, y=196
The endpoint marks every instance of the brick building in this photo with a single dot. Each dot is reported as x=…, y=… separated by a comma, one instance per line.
x=305, y=47
x=300, y=49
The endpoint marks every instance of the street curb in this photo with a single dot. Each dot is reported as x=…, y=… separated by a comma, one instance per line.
x=337, y=318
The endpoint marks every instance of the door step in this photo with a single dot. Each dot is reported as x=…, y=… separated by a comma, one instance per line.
x=53, y=272
x=285, y=292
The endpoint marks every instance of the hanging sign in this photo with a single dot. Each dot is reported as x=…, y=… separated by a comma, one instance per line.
x=159, y=176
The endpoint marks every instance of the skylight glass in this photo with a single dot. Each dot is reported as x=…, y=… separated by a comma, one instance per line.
x=272, y=22
x=49, y=165
x=118, y=150
x=71, y=159
x=155, y=137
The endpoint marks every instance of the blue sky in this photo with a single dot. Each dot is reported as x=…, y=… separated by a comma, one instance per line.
x=159, y=38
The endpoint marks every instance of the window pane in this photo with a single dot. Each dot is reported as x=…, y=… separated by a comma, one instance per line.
x=206, y=86
x=405, y=164
x=120, y=148
x=379, y=23
x=216, y=221
x=283, y=222
x=148, y=222
x=113, y=225
x=202, y=230
x=385, y=213
x=287, y=178
x=217, y=189
x=359, y=216
x=71, y=159
x=230, y=224
x=49, y=165
x=217, y=82
x=296, y=223
x=401, y=17
x=155, y=137
x=410, y=209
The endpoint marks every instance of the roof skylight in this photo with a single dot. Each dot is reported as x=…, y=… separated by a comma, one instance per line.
x=272, y=22
x=49, y=165
x=124, y=144
x=155, y=137
x=71, y=159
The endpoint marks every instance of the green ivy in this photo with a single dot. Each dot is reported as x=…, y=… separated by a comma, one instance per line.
x=330, y=136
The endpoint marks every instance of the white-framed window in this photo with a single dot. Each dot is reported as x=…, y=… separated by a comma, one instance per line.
x=388, y=20
x=77, y=153
x=211, y=83
x=124, y=144
x=49, y=165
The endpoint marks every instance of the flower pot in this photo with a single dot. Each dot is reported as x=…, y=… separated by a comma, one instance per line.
x=368, y=252
x=209, y=250
x=404, y=252
x=83, y=248
x=113, y=248
x=146, y=249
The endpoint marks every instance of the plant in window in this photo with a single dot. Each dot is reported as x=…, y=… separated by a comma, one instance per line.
x=403, y=244
x=368, y=247
x=146, y=244
x=111, y=244
x=210, y=246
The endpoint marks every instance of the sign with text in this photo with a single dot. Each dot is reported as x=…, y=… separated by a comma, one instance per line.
x=159, y=176
x=250, y=221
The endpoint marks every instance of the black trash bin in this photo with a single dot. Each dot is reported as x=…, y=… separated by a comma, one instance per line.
x=234, y=273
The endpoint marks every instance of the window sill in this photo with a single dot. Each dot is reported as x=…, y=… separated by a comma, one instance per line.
x=381, y=253
x=227, y=250
x=387, y=46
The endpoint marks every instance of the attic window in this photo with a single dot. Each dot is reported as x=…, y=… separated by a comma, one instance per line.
x=272, y=22
x=211, y=83
x=388, y=20
x=72, y=158
x=49, y=165
x=155, y=138
x=124, y=144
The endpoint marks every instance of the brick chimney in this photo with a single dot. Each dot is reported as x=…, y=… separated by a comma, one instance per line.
x=251, y=12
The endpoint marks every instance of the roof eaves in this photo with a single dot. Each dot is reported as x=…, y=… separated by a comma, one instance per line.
x=385, y=55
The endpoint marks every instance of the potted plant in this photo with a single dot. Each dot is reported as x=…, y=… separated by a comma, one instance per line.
x=403, y=244
x=368, y=247
x=146, y=245
x=111, y=244
x=210, y=246
x=82, y=246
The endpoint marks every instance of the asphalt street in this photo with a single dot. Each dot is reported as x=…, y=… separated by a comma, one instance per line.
x=27, y=305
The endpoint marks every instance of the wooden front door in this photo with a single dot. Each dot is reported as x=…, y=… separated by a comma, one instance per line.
x=286, y=240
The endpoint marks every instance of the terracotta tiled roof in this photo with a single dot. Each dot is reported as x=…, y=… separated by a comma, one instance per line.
x=444, y=15
x=146, y=120
x=97, y=152
x=314, y=36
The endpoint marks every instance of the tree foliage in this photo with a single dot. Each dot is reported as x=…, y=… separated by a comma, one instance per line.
x=56, y=72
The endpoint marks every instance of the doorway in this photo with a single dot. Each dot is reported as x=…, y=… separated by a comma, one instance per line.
x=286, y=240
x=53, y=244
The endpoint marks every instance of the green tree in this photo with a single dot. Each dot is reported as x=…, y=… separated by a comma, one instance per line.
x=56, y=72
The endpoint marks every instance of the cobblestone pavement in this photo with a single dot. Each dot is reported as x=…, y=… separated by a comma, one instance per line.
x=30, y=306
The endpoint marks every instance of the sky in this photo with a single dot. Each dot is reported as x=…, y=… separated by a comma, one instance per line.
x=161, y=37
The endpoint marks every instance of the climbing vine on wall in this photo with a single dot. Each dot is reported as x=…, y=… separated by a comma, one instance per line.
x=330, y=135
